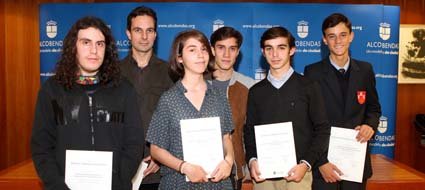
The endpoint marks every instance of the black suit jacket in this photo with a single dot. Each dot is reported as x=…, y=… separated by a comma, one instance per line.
x=362, y=78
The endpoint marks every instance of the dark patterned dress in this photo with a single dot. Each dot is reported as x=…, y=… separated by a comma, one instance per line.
x=164, y=130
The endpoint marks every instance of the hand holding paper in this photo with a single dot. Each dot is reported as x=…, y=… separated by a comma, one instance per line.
x=297, y=172
x=347, y=153
x=330, y=172
x=137, y=179
x=195, y=173
x=153, y=167
x=255, y=172
x=221, y=172
x=365, y=133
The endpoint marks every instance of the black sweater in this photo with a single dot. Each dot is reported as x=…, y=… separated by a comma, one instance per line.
x=299, y=100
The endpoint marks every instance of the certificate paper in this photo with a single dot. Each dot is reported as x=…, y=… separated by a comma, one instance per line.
x=202, y=142
x=275, y=149
x=88, y=169
x=138, y=177
x=347, y=153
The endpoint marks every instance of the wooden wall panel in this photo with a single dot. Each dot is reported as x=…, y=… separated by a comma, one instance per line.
x=412, y=12
x=410, y=100
x=19, y=57
x=2, y=90
x=22, y=75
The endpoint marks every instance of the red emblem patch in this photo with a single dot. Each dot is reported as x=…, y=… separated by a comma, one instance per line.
x=361, y=97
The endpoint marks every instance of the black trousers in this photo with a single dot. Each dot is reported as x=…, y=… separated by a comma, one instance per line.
x=320, y=184
x=236, y=184
x=153, y=186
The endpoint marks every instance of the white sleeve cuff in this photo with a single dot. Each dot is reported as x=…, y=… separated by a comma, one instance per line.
x=305, y=162
x=250, y=160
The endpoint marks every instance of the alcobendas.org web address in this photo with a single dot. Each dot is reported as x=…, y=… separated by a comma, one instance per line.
x=258, y=26
x=176, y=26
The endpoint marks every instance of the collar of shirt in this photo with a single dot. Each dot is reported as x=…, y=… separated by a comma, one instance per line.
x=277, y=83
x=338, y=67
x=151, y=61
x=183, y=90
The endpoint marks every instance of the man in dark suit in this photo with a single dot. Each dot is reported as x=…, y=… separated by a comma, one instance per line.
x=351, y=99
x=149, y=76
x=286, y=96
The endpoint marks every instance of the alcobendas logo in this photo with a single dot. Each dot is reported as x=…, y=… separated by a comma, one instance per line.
x=384, y=31
x=302, y=29
x=383, y=124
x=217, y=24
x=51, y=29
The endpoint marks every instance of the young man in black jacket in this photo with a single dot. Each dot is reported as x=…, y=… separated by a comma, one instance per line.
x=351, y=99
x=148, y=74
x=87, y=106
x=286, y=96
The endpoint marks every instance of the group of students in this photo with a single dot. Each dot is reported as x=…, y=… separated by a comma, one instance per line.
x=133, y=107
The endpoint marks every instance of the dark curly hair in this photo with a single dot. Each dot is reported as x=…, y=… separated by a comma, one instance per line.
x=176, y=69
x=67, y=68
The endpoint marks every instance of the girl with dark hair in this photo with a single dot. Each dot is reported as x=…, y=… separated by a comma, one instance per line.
x=191, y=97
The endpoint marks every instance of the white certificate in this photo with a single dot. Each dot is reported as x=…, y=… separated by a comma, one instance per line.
x=138, y=177
x=202, y=142
x=88, y=170
x=275, y=149
x=347, y=153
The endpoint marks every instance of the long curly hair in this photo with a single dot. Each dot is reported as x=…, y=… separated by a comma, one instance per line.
x=67, y=67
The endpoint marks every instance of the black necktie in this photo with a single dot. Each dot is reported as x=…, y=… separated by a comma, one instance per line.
x=342, y=71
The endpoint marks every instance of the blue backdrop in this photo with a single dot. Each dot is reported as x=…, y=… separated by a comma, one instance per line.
x=375, y=28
